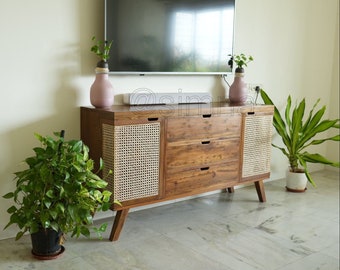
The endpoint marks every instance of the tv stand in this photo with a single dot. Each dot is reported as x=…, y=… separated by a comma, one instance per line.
x=166, y=152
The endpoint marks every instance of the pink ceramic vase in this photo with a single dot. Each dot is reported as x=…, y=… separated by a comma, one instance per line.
x=101, y=92
x=238, y=89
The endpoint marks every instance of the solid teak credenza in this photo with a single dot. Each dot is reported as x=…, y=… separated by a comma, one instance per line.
x=165, y=152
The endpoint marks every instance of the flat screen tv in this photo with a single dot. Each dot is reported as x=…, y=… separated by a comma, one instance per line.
x=170, y=36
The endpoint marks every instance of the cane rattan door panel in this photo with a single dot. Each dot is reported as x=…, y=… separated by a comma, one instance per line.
x=257, y=145
x=133, y=152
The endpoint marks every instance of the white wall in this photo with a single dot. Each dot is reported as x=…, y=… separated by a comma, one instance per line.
x=47, y=69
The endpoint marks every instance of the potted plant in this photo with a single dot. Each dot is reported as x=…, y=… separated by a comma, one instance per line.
x=57, y=194
x=297, y=135
x=238, y=93
x=101, y=91
x=240, y=60
x=102, y=50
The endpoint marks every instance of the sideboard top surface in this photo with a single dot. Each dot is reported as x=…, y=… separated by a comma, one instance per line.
x=184, y=109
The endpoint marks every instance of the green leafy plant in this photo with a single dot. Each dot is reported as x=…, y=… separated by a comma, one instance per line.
x=58, y=190
x=297, y=134
x=241, y=60
x=101, y=49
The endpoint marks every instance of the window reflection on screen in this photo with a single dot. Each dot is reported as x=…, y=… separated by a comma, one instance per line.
x=198, y=34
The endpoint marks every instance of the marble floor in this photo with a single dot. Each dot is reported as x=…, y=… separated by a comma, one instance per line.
x=218, y=231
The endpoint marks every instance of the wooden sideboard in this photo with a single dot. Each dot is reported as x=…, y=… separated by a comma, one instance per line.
x=164, y=152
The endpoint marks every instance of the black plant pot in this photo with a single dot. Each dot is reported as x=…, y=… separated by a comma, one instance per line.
x=46, y=244
x=102, y=64
x=239, y=70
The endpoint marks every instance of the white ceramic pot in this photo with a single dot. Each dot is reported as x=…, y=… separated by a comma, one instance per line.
x=296, y=181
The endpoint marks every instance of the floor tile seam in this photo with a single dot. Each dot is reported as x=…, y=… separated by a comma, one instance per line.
x=303, y=258
x=281, y=237
x=282, y=219
x=302, y=245
x=195, y=251
x=250, y=261
x=239, y=258
x=288, y=241
x=227, y=215
x=240, y=222
x=94, y=264
x=330, y=219
x=285, y=209
x=322, y=251
x=319, y=250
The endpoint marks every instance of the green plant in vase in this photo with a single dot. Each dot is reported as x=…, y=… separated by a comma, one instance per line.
x=102, y=50
x=238, y=92
x=241, y=61
x=101, y=91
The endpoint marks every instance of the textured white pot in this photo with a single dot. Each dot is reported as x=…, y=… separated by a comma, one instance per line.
x=296, y=181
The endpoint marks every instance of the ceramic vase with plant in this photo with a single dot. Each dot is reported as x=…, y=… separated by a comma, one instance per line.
x=298, y=132
x=238, y=89
x=101, y=92
x=57, y=194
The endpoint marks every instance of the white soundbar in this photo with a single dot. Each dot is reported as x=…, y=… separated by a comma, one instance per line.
x=166, y=98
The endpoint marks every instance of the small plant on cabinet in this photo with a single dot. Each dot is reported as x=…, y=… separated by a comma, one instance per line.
x=240, y=60
x=102, y=50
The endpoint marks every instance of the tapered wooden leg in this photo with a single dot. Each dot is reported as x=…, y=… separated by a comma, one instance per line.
x=260, y=191
x=118, y=224
x=231, y=189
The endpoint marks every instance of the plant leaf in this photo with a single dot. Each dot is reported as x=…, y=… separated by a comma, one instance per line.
x=11, y=210
x=278, y=122
x=296, y=124
x=8, y=195
x=317, y=158
x=85, y=231
x=50, y=194
x=19, y=235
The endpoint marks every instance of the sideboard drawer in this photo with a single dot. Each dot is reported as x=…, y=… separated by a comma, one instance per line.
x=201, y=179
x=201, y=153
x=203, y=126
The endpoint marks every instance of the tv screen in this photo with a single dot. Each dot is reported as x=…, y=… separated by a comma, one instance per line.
x=170, y=36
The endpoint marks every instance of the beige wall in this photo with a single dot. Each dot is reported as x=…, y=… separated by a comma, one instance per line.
x=333, y=152
x=47, y=69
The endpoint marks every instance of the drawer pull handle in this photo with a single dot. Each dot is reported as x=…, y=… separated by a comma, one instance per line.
x=153, y=118
x=205, y=142
x=206, y=115
x=251, y=113
x=204, y=168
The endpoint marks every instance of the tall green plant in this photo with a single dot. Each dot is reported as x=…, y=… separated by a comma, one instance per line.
x=298, y=130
